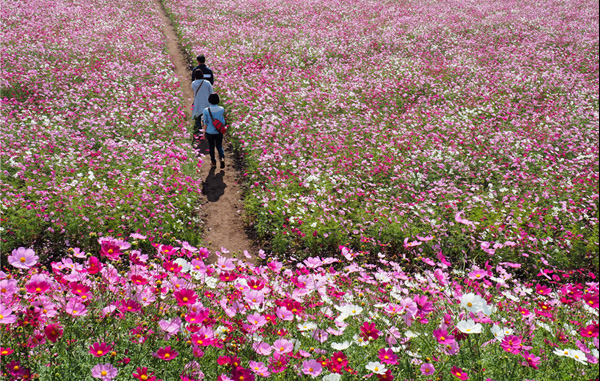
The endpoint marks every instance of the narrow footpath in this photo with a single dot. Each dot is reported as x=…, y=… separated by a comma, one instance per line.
x=222, y=207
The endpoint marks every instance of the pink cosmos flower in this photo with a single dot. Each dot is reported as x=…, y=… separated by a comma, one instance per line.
x=6, y=315
x=411, y=244
x=262, y=348
x=427, y=369
x=477, y=274
x=166, y=353
x=105, y=372
x=443, y=259
x=532, y=360
x=185, y=297
x=258, y=367
x=23, y=258
x=53, y=332
x=100, y=349
x=75, y=307
x=170, y=327
x=8, y=287
x=283, y=346
x=458, y=218
x=312, y=367
x=257, y=320
x=284, y=314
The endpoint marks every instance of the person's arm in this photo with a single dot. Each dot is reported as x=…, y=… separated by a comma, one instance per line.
x=210, y=88
x=212, y=78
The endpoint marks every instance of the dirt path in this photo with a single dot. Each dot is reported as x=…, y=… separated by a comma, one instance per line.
x=222, y=207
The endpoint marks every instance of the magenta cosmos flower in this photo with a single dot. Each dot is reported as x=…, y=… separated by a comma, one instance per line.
x=105, y=372
x=166, y=353
x=185, y=297
x=442, y=336
x=23, y=258
x=387, y=356
x=459, y=373
x=100, y=349
x=53, y=332
x=37, y=284
x=312, y=367
x=368, y=331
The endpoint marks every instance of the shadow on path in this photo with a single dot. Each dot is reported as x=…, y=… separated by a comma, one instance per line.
x=214, y=186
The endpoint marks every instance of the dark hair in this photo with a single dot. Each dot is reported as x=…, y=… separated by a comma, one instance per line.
x=214, y=99
x=201, y=58
x=198, y=74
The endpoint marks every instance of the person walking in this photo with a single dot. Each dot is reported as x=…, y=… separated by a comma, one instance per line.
x=214, y=137
x=206, y=71
x=202, y=89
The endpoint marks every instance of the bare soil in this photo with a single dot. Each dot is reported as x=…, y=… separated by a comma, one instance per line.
x=222, y=204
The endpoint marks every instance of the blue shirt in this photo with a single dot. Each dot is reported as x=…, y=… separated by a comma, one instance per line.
x=218, y=112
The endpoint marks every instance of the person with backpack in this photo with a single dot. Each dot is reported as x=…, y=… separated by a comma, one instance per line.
x=202, y=89
x=206, y=71
x=214, y=117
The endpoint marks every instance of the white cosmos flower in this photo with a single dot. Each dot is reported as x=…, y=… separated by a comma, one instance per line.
x=358, y=340
x=185, y=266
x=332, y=377
x=475, y=303
x=469, y=326
x=578, y=355
x=562, y=352
x=341, y=346
x=348, y=310
x=211, y=282
x=500, y=332
x=307, y=326
x=376, y=367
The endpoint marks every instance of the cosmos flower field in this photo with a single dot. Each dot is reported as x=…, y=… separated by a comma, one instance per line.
x=365, y=123
x=422, y=177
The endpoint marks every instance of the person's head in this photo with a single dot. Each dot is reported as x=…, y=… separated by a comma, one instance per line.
x=201, y=59
x=214, y=99
x=198, y=74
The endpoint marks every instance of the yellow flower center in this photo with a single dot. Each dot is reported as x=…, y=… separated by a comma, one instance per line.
x=185, y=299
x=37, y=289
x=110, y=251
x=167, y=355
x=143, y=377
x=104, y=373
x=22, y=259
x=99, y=352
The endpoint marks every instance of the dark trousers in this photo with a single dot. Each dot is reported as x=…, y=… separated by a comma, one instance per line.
x=215, y=140
x=197, y=124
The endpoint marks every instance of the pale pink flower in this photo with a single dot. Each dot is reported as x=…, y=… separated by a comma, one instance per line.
x=23, y=258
